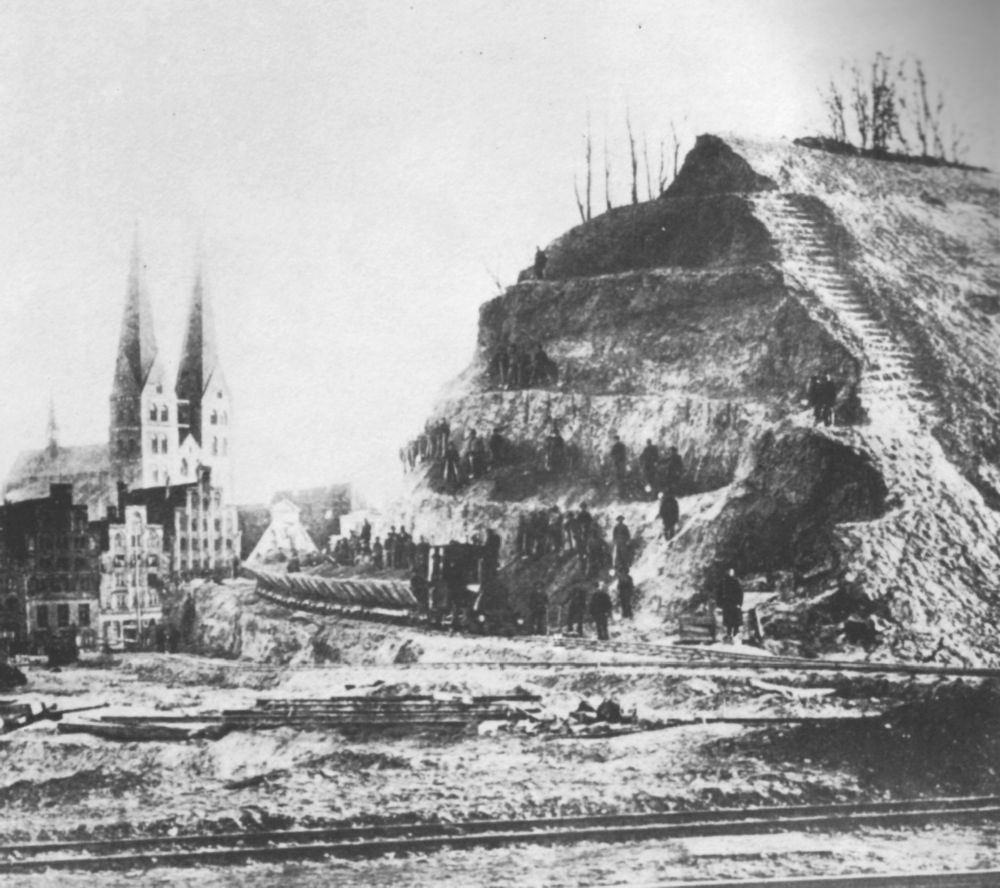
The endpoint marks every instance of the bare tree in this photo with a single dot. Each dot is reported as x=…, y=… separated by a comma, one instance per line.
x=583, y=203
x=607, y=175
x=859, y=103
x=634, y=158
x=661, y=177
x=649, y=173
x=834, y=102
x=958, y=146
x=589, y=164
x=884, y=104
x=676, y=143
x=579, y=203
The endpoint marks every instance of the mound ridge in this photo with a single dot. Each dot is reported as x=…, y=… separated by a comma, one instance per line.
x=695, y=320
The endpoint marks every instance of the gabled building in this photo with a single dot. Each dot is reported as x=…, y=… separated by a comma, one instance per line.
x=132, y=577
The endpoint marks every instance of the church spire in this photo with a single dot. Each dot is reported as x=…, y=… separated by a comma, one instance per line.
x=137, y=341
x=199, y=366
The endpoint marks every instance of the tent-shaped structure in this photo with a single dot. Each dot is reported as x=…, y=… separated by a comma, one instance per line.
x=285, y=535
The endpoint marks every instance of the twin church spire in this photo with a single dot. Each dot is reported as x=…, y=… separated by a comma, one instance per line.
x=162, y=429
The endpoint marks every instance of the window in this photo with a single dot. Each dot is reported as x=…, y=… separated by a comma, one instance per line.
x=159, y=388
x=83, y=615
x=42, y=616
x=218, y=394
x=62, y=615
x=218, y=525
x=152, y=412
x=214, y=419
x=164, y=414
x=215, y=446
x=184, y=468
x=156, y=444
x=163, y=444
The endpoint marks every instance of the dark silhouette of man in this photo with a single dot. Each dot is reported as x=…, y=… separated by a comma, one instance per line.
x=541, y=260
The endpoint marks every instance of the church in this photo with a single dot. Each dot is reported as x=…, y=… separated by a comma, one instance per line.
x=166, y=468
x=161, y=431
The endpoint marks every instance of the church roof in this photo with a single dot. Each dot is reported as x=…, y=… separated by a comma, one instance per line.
x=137, y=349
x=87, y=467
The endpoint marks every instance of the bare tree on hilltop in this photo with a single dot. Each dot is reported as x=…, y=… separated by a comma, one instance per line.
x=890, y=105
x=642, y=165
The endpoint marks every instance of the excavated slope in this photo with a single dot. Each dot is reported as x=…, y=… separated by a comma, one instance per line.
x=695, y=320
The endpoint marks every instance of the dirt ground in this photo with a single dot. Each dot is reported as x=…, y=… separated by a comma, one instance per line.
x=937, y=738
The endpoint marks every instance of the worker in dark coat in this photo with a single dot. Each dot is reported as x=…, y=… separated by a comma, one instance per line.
x=626, y=594
x=673, y=471
x=541, y=260
x=555, y=451
x=730, y=600
x=649, y=461
x=619, y=462
x=600, y=611
x=576, y=610
x=620, y=537
x=670, y=513
x=452, y=461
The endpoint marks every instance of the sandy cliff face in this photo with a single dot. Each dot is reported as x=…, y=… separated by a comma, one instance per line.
x=695, y=320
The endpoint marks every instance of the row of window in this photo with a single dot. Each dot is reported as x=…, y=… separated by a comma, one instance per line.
x=123, y=602
x=81, y=582
x=216, y=418
x=196, y=543
x=158, y=443
x=160, y=411
x=63, y=615
x=47, y=542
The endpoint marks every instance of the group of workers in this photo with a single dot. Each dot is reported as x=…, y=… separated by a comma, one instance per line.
x=399, y=550
x=514, y=366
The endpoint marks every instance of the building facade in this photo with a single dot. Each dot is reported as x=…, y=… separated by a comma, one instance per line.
x=52, y=551
x=133, y=577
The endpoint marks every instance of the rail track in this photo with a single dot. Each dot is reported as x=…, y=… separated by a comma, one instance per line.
x=656, y=654
x=376, y=841
x=965, y=879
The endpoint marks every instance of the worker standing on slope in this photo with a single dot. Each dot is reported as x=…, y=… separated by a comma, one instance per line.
x=600, y=611
x=730, y=600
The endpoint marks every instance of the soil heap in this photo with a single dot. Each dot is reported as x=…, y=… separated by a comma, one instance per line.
x=695, y=320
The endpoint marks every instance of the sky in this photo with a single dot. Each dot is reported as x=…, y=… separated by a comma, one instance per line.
x=358, y=177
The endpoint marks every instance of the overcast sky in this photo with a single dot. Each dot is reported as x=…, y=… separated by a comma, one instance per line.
x=358, y=173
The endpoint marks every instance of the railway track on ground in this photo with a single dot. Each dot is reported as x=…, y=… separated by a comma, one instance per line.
x=656, y=654
x=965, y=879
x=361, y=842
